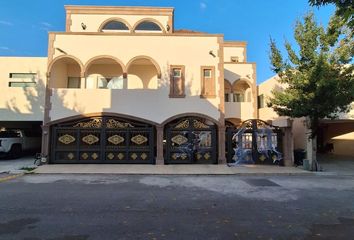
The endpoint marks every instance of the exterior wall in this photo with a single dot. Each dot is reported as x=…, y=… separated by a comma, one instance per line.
x=18, y=103
x=152, y=104
x=94, y=16
x=239, y=52
x=94, y=21
x=265, y=89
x=299, y=133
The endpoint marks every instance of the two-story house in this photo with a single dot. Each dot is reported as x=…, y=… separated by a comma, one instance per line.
x=122, y=85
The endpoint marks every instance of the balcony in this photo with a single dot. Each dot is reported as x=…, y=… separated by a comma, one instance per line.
x=241, y=110
x=149, y=104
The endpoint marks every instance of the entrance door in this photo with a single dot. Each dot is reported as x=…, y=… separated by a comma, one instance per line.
x=103, y=140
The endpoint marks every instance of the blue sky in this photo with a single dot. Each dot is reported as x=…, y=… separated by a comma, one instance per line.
x=24, y=24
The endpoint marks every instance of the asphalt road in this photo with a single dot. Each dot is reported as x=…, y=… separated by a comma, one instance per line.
x=86, y=207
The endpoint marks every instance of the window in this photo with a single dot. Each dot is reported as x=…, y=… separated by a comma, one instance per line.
x=31, y=76
x=116, y=83
x=177, y=81
x=239, y=97
x=74, y=82
x=115, y=25
x=148, y=26
x=23, y=79
x=208, y=81
x=234, y=59
x=207, y=73
x=227, y=96
x=102, y=82
x=22, y=84
x=261, y=101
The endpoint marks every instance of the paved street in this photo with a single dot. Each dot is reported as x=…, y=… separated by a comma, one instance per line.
x=86, y=207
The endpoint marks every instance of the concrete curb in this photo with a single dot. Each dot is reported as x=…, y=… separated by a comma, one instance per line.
x=4, y=179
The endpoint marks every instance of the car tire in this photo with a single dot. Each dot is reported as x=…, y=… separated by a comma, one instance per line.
x=16, y=151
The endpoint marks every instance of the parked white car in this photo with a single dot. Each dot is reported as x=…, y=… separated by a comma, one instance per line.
x=15, y=141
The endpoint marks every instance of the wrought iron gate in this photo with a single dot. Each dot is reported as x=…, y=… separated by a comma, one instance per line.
x=191, y=140
x=254, y=142
x=103, y=140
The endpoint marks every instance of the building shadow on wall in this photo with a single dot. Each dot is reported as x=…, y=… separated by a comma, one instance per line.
x=26, y=108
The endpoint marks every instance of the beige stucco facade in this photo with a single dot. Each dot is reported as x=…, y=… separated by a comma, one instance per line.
x=119, y=60
x=335, y=136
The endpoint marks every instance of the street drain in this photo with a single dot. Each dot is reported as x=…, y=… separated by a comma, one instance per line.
x=261, y=182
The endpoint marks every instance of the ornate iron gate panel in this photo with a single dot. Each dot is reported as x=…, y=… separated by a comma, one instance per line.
x=191, y=140
x=103, y=140
x=254, y=142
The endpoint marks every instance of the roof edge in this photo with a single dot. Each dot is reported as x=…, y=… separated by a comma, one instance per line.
x=235, y=43
x=95, y=8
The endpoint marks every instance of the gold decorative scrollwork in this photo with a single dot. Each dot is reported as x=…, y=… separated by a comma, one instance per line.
x=71, y=156
x=139, y=139
x=134, y=156
x=183, y=156
x=94, y=156
x=143, y=156
x=84, y=156
x=90, y=139
x=199, y=156
x=111, y=123
x=179, y=139
x=197, y=124
x=207, y=156
x=94, y=123
x=120, y=156
x=116, y=139
x=262, y=158
x=182, y=125
x=66, y=139
x=110, y=156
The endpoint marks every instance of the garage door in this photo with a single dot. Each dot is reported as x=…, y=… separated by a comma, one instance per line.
x=103, y=140
x=191, y=140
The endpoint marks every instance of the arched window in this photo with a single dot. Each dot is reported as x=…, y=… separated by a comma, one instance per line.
x=115, y=25
x=148, y=26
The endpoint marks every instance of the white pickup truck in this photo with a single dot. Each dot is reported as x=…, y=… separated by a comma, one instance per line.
x=14, y=142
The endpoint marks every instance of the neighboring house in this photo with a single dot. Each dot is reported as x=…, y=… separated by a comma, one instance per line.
x=121, y=85
x=335, y=136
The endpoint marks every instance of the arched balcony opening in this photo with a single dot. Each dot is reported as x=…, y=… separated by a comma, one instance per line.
x=115, y=25
x=238, y=99
x=65, y=72
x=143, y=73
x=241, y=91
x=105, y=72
x=148, y=25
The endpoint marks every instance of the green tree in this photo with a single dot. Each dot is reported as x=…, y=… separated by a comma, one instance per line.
x=345, y=8
x=319, y=76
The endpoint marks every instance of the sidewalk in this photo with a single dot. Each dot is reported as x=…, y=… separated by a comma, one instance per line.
x=15, y=165
x=169, y=169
